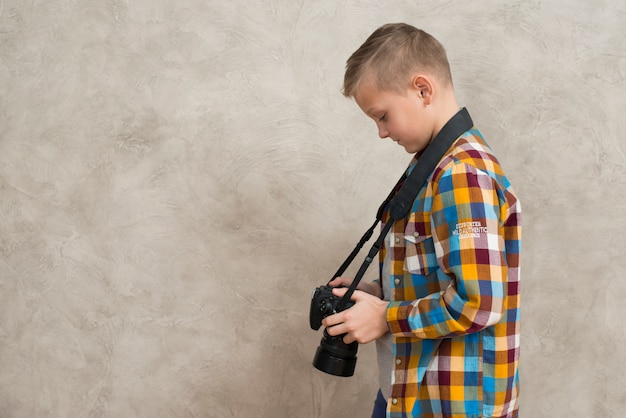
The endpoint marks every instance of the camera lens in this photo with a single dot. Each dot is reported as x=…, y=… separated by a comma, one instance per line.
x=335, y=357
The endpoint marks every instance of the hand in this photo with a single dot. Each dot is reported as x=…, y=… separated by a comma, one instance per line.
x=364, y=322
x=369, y=287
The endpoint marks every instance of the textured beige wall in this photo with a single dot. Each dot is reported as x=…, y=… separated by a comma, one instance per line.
x=176, y=176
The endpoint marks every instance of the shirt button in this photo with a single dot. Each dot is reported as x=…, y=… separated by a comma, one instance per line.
x=398, y=361
x=397, y=281
x=397, y=240
x=416, y=234
x=394, y=401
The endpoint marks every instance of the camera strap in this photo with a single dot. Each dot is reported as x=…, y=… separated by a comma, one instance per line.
x=404, y=193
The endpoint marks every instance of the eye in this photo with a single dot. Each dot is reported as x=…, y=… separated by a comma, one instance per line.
x=383, y=118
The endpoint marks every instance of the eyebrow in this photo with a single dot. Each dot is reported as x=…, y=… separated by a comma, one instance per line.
x=372, y=111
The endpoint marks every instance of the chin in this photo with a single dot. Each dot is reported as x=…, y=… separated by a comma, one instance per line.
x=415, y=148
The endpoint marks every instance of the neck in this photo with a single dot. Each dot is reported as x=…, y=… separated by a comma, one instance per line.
x=447, y=109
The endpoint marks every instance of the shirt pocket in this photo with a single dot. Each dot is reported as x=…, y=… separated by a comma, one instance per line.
x=420, y=257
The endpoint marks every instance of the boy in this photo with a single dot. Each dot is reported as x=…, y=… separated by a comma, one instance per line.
x=445, y=315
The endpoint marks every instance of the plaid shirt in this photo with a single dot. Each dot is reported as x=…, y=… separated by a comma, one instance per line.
x=454, y=311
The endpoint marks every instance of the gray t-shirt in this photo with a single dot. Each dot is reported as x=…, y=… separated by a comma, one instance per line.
x=384, y=344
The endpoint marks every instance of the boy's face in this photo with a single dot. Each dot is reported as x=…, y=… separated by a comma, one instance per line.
x=405, y=118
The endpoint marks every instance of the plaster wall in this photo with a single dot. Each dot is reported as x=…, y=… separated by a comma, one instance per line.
x=177, y=176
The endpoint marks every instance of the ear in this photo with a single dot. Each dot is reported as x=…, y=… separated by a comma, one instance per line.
x=423, y=87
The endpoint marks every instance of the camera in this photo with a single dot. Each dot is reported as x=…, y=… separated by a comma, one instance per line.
x=333, y=356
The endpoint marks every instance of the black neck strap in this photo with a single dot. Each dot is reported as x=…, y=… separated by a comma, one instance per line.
x=404, y=193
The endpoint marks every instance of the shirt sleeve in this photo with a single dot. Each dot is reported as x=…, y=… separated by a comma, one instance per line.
x=469, y=245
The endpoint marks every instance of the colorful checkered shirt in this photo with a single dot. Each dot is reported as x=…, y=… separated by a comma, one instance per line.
x=454, y=311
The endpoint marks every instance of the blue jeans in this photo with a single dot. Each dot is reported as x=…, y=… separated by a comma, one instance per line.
x=380, y=406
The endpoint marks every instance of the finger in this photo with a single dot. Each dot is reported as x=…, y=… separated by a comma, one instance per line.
x=336, y=330
x=335, y=282
x=333, y=320
x=340, y=291
x=340, y=281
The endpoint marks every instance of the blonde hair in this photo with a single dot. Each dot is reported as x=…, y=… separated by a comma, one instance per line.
x=391, y=54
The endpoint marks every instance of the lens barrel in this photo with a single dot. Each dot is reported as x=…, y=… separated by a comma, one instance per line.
x=335, y=357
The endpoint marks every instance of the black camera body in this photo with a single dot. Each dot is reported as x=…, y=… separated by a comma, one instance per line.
x=323, y=304
x=333, y=356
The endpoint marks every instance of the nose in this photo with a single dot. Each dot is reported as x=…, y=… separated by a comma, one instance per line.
x=382, y=132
